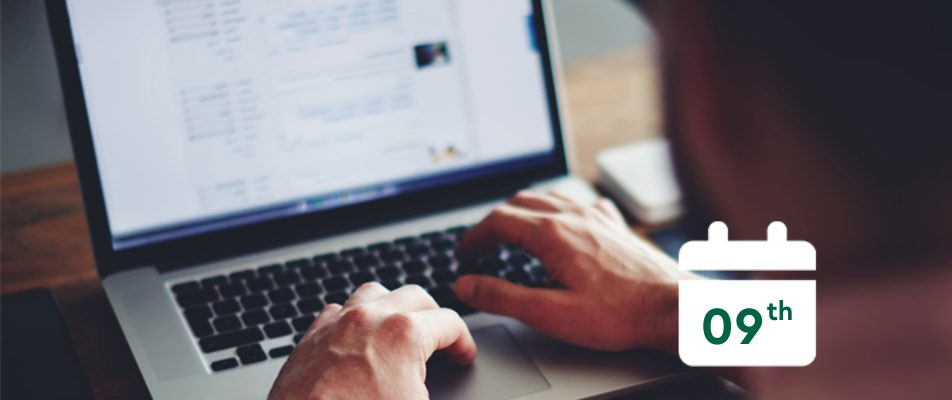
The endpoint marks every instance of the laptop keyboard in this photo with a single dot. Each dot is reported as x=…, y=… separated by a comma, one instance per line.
x=236, y=314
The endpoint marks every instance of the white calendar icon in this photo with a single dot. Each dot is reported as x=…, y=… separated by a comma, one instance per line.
x=747, y=322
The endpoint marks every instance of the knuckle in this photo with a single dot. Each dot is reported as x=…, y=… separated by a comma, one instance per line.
x=369, y=286
x=453, y=313
x=523, y=195
x=579, y=209
x=414, y=289
x=419, y=291
x=551, y=225
x=402, y=325
x=356, y=316
x=497, y=214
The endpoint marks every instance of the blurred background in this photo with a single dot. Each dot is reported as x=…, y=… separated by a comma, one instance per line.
x=605, y=44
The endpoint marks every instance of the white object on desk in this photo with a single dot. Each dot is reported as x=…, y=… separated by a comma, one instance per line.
x=640, y=176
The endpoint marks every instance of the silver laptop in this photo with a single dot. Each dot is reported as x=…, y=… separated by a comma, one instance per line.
x=245, y=162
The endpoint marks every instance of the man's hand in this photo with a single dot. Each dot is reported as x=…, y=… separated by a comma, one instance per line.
x=375, y=346
x=619, y=292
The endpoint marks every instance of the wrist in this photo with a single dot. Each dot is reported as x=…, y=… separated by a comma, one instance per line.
x=664, y=324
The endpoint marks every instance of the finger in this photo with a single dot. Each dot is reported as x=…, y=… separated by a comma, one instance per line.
x=408, y=298
x=537, y=202
x=611, y=211
x=366, y=293
x=449, y=333
x=542, y=309
x=564, y=198
x=506, y=223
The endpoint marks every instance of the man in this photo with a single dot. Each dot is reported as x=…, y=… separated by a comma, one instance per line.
x=830, y=117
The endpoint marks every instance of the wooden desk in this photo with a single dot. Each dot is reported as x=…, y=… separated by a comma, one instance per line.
x=45, y=242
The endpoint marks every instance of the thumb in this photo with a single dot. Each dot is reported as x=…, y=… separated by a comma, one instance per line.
x=499, y=296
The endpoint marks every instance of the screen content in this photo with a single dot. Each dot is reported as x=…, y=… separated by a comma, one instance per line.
x=207, y=114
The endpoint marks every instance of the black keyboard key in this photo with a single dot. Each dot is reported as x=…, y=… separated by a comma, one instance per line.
x=340, y=267
x=519, y=260
x=242, y=275
x=326, y=258
x=457, y=229
x=251, y=354
x=443, y=295
x=226, y=307
x=260, y=284
x=393, y=256
x=431, y=235
x=489, y=266
x=381, y=247
x=270, y=269
x=214, y=281
x=388, y=272
x=232, y=289
x=336, y=297
x=458, y=234
x=253, y=301
x=194, y=298
x=354, y=253
x=298, y=337
x=392, y=284
x=230, y=339
x=444, y=277
x=227, y=324
x=360, y=278
x=297, y=264
x=407, y=241
x=277, y=329
x=186, y=287
x=420, y=280
x=418, y=251
x=302, y=323
x=255, y=317
x=443, y=245
x=538, y=272
x=313, y=273
x=414, y=267
x=286, y=278
x=222, y=365
x=200, y=326
x=279, y=352
x=198, y=312
x=282, y=311
x=280, y=296
x=336, y=283
x=309, y=289
x=311, y=305
x=366, y=262
x=518, y=276
x=441, y=262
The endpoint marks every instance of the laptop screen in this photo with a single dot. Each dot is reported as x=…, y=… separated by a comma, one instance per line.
x=212, y=114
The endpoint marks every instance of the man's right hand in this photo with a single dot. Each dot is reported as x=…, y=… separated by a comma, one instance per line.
x=617, y=291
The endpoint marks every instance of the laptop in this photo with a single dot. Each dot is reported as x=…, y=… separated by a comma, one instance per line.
x=243, y=163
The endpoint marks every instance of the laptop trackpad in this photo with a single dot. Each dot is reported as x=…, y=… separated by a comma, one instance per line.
x=502, y=370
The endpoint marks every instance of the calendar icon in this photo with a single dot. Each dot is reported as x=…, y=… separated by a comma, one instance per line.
x=747, y=322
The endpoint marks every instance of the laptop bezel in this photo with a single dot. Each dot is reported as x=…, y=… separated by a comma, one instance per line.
x=247, y=239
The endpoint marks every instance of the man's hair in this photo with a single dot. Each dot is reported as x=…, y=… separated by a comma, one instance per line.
x=876, y=77
x=872, y=81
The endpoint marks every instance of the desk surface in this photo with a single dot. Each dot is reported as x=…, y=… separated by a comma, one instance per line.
x=45, y=243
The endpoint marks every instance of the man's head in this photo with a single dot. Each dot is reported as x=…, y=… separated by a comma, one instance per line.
x=834, y=118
